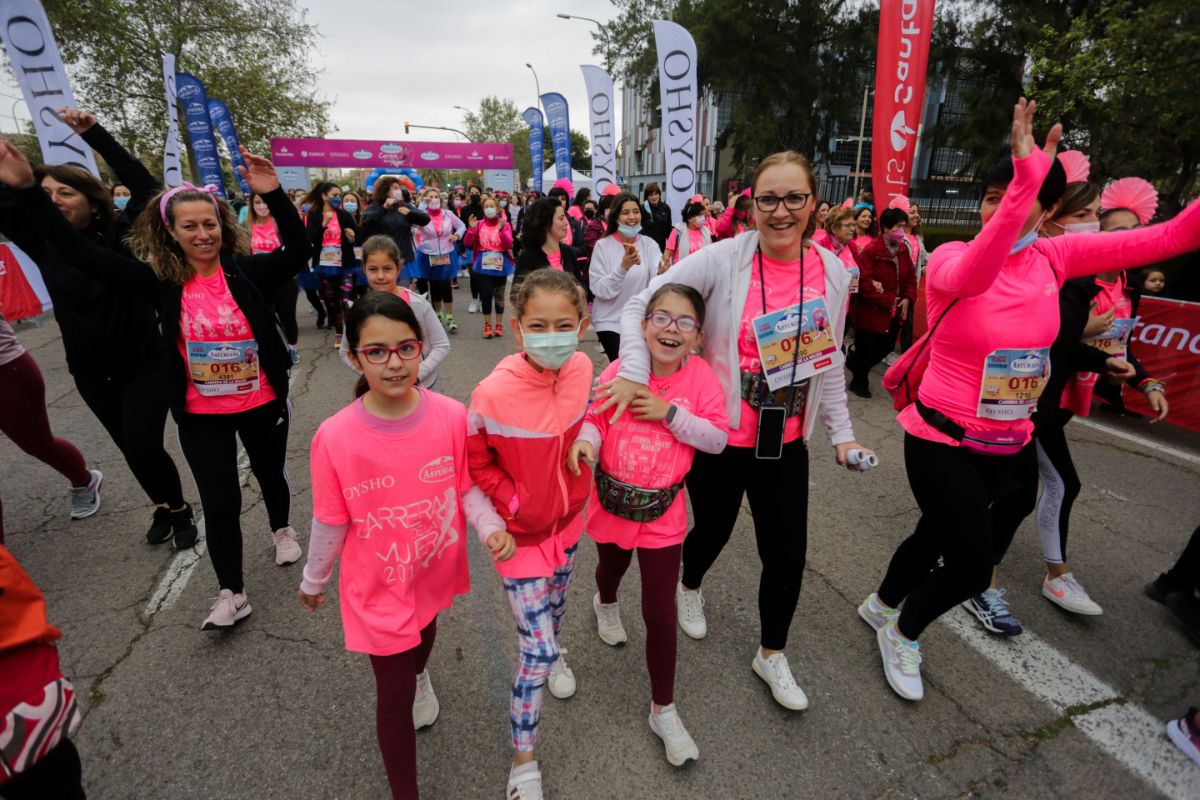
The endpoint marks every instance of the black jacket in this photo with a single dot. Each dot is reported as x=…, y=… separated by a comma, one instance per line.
x=315, y=227
x=657, y=224
x=532, y=258
x=377, y=220
x=251, y=279
x=95, y=320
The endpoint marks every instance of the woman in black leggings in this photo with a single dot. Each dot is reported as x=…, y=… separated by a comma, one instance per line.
x=331, y=233
x=97, y=321
x=227, y=367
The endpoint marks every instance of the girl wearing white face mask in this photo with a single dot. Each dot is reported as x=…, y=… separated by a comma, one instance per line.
x=490, y=241
x=623, y=262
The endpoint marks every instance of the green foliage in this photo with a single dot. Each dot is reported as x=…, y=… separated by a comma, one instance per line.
x=499, y=120
x=250, y=53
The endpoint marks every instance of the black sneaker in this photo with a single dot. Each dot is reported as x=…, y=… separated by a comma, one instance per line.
x=160, y=526
x=1186, y=609
x=1162, y=586
x=184, y=524
x=321, y=320
x=860, y=388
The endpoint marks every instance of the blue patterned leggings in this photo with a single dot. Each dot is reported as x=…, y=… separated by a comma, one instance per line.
x=538, y=604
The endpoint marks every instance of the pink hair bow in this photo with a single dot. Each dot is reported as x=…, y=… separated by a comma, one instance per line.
x=208, y=189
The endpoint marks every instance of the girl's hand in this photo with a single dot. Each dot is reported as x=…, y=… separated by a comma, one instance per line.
x=580, y=448
x=1158, y=402
x=259, y=173
x=877, y=286
x=391, y=201
x=1022, y=131
x=502, y=544
x=77, y=120
x=1118, y=370
x=14, y=167
x=310, y=601
x=403, y=210
x=452, y=239
x=618, y=392
x=350, y=235
x=472, y=221
x=902, y=305
x=649, y=407
x=1098, y=323
x=666, y=263
x=631, y=257
x=843, y=450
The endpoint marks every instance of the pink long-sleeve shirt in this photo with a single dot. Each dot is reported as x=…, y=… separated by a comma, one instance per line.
x=1009, y=301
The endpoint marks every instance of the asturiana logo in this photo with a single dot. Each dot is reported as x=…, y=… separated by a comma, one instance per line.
x=225, y=353
x=1029, y=363
x=440, y=469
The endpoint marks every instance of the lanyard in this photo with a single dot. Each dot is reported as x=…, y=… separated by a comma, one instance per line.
x=762, y=285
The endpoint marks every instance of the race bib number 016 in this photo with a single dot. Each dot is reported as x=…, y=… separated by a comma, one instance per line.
x=797, y=336
x=221, y=369
x=1013, y=380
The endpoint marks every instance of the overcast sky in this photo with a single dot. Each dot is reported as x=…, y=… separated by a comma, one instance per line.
x=386, y=62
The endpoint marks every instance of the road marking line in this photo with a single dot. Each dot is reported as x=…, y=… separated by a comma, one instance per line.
x=1125, y=731
x=1145, y=442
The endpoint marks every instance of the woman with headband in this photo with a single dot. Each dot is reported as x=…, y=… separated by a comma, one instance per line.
x=227, y=365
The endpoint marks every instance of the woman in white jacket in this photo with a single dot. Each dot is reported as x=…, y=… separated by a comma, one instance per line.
x=780, y=365
x=623, y=262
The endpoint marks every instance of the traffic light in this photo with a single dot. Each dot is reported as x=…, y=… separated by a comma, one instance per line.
x=405, y=127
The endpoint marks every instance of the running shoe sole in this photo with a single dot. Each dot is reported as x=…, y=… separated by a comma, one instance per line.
x=688, y=758
x=241, y=614
x=1180, y=738
x=1046, y=593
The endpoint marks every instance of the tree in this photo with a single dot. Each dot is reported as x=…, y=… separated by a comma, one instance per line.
x=1119, y=78
x=249, y=53
x=496, y=120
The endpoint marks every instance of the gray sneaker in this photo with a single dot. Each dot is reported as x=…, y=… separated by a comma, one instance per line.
x=85, y=500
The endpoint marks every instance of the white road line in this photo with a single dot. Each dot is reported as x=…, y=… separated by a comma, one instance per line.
x=1143, y=441
x=1128, y=733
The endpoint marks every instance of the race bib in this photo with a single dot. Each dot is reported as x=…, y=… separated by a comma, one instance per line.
x=1115, y=340
x=439, y=261
x=1013, y=380
x=331, y=255
x=358, y=254
x=855, y=274
x=221, y=369
x=795, y=336
x=492, y=261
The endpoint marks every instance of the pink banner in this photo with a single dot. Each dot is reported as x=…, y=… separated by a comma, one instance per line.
x=368, y=154
x=900, y=64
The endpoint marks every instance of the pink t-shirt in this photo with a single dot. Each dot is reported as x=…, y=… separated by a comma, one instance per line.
x=695, y=242
x=264, y=237
x=782, y=290
x=331, y=244
x=220, y=351
x=555, y=259
x=399, y=484
x=1077, y=395
x=647, y=454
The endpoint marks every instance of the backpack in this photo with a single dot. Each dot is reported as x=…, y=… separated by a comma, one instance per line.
x=903, y=378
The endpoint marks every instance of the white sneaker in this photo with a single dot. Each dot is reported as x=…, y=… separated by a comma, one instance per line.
x=689, y=609
x=474, y=307
x=85, y=500
x=901, y=662
x=608, y=622
x=525, y=783
x=1066, y=592
x=229, y=610
x=875, y=613
x=425, y=705
x=287, y=549
x=778, y=675
x=562, y=680
x=667, y=725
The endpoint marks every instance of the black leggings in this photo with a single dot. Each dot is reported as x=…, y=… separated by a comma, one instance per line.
x=611, y=342
x=209, y=443
x=58, y=774
x=438, y=291
x=334, y=291
x=476, y=284
x=971, y=505
x=778, y=494
x=1186, y=571
x=1060, y=484
x=869, y=349
x=491, y=290
x=134, y=412
x=285, y=310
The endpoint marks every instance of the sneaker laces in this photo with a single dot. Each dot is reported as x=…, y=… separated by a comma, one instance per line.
x=693, y=604
x=783, y=673
x=223, y=602
x=1073, y=586
x=560, y=664
x=997, y=606
x=910, y=657
x=424, y=687
x=610, y=614
x=669, y=723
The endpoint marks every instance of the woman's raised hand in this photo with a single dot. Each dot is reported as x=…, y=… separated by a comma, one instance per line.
x=259, y=173
x=1022, y=131
x=77, y=119
x=14, y=167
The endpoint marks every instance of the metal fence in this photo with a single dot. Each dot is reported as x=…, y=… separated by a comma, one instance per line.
x=943, y=202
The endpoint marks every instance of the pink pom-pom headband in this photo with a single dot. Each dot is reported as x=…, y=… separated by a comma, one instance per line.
x=210, y=190
x=1135, y=195
x=1076, y=165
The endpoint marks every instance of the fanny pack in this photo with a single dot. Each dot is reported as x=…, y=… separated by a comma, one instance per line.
x=633, y=502
x=988, y=443
x=757, y=393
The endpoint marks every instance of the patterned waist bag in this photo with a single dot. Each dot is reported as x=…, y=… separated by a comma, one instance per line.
x=633, y=502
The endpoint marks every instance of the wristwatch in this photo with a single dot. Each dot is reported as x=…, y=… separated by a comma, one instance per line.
x=670, y=414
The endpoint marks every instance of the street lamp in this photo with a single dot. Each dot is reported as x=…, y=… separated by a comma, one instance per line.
x=408, y=125
x=537, y=84
x=603, y=36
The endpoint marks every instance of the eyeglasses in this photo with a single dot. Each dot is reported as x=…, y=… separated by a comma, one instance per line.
x=378, y=354
x=793, y=202
x=662, y=320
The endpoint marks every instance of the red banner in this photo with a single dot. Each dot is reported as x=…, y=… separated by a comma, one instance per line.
x=1167, y=342
x=900, y=64
x=22, y=292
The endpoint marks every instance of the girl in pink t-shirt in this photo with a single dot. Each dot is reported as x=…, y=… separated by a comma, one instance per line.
x=398, y=524
x=637, y=501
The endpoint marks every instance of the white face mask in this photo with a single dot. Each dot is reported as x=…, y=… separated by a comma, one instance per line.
x=1082, y=227
x=396, y=194
x=435, y=203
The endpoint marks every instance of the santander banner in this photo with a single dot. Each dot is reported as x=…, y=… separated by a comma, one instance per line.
x=1167, y=342
x=903, y=55
x=368, y=154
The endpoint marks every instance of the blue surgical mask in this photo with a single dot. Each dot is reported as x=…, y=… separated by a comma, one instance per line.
x=422, y=205
x=490, y=212
x=504, y=204
x=305, y=208
x=1024, y=242
x=351, y=206
x=629, y=231
x=335, y=202
x=120, y=203
x=550, y=350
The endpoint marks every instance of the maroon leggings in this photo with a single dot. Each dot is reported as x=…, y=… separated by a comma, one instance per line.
x=23, y=419
x=395, y=690
x=660, y=573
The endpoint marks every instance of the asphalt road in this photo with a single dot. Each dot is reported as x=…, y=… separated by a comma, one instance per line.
x=279, y=709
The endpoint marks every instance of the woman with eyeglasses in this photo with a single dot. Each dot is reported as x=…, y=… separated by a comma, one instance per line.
x=623, y=262
x=773, y=336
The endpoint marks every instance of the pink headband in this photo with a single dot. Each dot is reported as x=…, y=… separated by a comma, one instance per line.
x=210, y=190
x=1136, y=195
x=1076, y=165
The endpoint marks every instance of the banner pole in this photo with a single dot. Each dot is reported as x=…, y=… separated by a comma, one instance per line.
x=862, y=130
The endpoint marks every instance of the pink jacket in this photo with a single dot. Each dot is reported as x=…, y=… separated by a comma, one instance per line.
x=520, y=424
